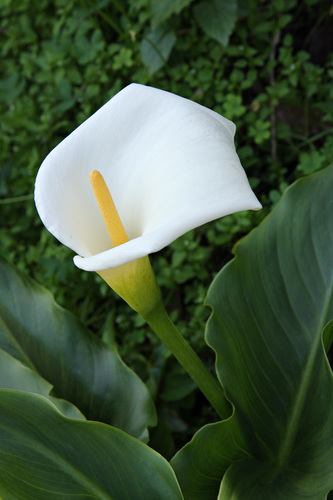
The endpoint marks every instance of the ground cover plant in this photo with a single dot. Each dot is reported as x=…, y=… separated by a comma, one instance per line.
x=268, y=67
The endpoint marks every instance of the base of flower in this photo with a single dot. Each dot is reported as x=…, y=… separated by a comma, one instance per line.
x=135, y=282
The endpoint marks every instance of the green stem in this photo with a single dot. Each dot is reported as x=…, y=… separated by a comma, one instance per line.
x=161, y=324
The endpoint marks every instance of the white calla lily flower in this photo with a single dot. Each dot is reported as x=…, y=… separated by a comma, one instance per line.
x=170, y=165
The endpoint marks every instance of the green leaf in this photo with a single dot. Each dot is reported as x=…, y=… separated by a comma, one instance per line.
x=156, y=47
x=47, y=456
x=10, y=88
x=217, y=18
x=177, y=384
x=15, y=376
x=82, y=369
x=201, y=464
x=259, y=481
x=163, y=10
x=328, y=336
x=270, y=305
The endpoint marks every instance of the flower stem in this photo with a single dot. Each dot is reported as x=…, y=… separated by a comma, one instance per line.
x=161, y=324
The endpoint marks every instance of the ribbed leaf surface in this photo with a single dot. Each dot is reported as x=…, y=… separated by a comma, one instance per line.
x=46, y=456
x=83, y=370
x=270, y=306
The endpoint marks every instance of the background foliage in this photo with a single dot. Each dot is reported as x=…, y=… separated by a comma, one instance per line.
x=267, y=65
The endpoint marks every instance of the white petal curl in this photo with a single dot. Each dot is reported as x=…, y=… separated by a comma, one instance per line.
x=170, y=165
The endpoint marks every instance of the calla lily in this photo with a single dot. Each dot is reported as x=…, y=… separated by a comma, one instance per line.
x=170, y=165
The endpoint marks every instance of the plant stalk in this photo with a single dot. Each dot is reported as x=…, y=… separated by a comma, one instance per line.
x=161, y=324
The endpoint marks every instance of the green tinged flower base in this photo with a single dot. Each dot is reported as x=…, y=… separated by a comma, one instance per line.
x=135, y=282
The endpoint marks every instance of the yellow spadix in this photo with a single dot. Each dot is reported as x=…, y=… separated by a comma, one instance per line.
x=135, y=281
x=108, y=209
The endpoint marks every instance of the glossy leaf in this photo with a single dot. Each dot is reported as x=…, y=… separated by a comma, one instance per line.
x=47, y=456
x=217, y=18
x=82, y=369
x=259, y=481
x=14, y=375
x=328, y=336
x=201, y=464
x=270, y=305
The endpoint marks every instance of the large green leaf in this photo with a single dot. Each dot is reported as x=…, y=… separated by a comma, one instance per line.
x=163, y=10
x=260, y=481
x=14, y=375
x=270, y=306
x=217, y=18
x=82, y=369
x=200, y=465
x=47, y=456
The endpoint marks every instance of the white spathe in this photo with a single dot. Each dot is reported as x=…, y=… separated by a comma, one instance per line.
x=170, y=165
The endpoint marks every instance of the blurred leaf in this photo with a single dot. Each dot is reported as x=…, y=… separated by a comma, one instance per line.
x=217, y=18
x=15, y=376
x=177, y=384
x=47, y=456
x=10, y=88
x=156, y=47
x=310, y=162
x=82, y=369
x=163, y=10
x=161, y=438
x=270, y=305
